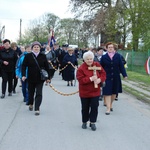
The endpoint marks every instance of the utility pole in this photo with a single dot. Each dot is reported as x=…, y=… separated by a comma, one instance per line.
x=20, y=28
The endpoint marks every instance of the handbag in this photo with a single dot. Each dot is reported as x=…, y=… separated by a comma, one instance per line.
x=43, y=72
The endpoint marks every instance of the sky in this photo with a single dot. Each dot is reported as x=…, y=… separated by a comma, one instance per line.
x=11, y=11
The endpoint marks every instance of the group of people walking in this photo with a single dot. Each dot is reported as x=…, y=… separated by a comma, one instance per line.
x=90, y=76
x=96, y=69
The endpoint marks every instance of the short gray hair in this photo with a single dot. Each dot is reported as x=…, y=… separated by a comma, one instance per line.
x=88, y=53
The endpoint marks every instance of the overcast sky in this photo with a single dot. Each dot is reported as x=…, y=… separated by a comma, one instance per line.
x=11, y=11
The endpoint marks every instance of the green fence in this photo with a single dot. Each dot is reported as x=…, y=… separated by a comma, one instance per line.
x=136, y=60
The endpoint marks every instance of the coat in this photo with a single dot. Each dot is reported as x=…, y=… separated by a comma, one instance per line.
x=10, y=56
x=52, y=57
x=113, y=69
x=86, y=86
x=68, y=72
x=19, y=65
x=33, y=70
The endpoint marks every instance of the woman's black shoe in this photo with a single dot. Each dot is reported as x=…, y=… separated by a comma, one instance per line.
x=111, y=109
x=71, y=84
x=104, y=104
x=107, y=113
x=84, y=126
x=3, y=96
x=93, y=126
x=10, y=94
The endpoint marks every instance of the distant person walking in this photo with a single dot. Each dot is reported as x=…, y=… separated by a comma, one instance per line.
x=8, y=59
x=19, y=74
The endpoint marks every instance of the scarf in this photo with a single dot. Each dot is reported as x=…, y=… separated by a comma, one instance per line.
x=36, y=54
x=111, y=55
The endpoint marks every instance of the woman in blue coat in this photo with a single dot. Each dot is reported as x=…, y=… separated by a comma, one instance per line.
x=113, y=66
x=70, y=61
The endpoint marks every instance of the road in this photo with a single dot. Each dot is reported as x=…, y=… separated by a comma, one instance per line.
x=58, y=127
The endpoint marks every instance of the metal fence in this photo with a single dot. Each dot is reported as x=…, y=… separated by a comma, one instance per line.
x=135, y=60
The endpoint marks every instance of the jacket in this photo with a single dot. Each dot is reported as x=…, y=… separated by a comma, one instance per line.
x=33, y=70
x=86, y=86
x=10, y=56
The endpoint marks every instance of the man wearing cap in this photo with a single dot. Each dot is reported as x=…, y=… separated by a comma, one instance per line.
x=35, y=84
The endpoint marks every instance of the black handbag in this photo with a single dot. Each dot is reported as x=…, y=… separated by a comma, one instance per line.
x=43, y=72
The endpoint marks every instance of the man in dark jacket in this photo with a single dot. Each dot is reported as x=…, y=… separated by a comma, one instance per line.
x=8, y=60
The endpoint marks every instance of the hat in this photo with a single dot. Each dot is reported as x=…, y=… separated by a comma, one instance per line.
x=35, y=43
x=70, y=49
x=65, y=45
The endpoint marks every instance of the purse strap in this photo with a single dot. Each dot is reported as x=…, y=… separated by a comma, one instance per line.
x=36, y=62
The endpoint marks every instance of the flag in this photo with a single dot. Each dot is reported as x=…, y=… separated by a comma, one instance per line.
x=51, y=39
x=147, y=68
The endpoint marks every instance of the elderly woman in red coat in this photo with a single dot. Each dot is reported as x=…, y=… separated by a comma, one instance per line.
x=89, y=88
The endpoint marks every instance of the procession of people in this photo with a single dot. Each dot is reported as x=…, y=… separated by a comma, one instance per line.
x=98, y=74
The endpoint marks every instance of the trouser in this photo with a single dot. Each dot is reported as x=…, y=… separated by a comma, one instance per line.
x=25, y=90
x=15, y=82
x=7, y=77
x=35, y=89
x=89, y=109
x=51, y=72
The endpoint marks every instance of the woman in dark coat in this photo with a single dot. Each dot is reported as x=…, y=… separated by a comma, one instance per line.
x=69, y=60
x=35, y=84
x=8, y=59
x=113, y=66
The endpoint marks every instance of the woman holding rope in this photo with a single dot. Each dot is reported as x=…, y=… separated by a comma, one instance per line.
x=71, y=61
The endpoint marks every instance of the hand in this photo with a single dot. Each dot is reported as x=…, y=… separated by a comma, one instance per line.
x=97, y=81
x=125, y=78
x=48, y=81
x=69, y=62
x=93, y=78
x=5, y=62
x=23, y=78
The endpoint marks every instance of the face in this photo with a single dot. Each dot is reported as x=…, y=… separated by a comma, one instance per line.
x=89, y=60
x=28, y=50
x=100, y=52
x=110, y=48
x=55, y=47
x=48, y=48
x=22, y=49
x=14, y=48
x=70, y=51
x=6, y=45
x=36, y=48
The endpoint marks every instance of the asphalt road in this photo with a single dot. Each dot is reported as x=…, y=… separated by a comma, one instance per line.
x=58, y=127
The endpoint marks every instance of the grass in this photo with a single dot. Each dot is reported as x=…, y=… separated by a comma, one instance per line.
x=138, y=77
x=144, y=82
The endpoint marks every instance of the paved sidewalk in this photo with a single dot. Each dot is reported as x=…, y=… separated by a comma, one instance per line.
x=58, y=127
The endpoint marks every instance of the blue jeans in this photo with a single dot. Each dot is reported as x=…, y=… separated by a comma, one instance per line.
x=25, y=90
